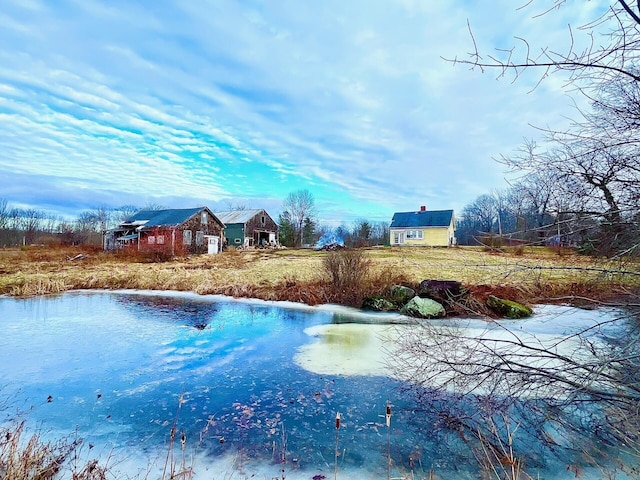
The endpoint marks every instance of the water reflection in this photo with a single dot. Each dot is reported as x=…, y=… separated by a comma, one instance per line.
x=188, y=311
x=232, y=376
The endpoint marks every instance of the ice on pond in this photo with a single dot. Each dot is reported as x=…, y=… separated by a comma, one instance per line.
x=247, y=382
x=374, y=349
x=347, y=349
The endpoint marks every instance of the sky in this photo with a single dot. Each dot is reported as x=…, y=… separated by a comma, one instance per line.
x=221, y=102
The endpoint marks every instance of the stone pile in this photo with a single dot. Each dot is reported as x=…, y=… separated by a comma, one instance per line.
x=439, y=299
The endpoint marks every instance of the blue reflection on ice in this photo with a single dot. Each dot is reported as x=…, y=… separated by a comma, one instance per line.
x=124, y=367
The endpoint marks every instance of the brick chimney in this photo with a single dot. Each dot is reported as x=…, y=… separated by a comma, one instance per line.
x=423, y=208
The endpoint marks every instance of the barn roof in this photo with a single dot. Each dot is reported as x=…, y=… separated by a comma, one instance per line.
x=161, y=218
x=237, y=216
x=423, y=218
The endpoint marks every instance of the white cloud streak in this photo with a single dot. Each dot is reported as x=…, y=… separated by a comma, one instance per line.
x=216, y=99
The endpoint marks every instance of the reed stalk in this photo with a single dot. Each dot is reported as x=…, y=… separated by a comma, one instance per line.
x=337, y=451
x=388, y=422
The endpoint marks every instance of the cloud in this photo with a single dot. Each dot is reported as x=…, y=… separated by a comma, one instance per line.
x=213, y=100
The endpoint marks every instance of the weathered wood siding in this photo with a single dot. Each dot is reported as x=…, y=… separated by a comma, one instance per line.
x=159, y=239
x=171, y=240
x=195, y=225
x=256, y=224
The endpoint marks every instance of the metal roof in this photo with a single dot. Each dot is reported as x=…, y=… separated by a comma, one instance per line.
x=237, y=216
x=161, y=218
x=426, y=218
x=128, y=237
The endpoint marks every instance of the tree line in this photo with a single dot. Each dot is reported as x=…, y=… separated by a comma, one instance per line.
x=581, y=188
x=28, y=226
x=579, y=185
x=298, y=225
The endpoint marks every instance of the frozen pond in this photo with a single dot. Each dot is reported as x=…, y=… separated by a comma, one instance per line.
x=253, y=387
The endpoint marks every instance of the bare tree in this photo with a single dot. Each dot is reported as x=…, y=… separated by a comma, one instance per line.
x=608, y=57
x=90, y=226
x=31, y=222
x=232, y=207
x=154, y=206
x=581, y=177
x=594, y=165
x=51, y=223
x=362, y=230
x=87, y=221
x=596, y=182
x=4, y=214
x=538, y=191
x=380, y=233
x=577, y=391
x=480, y=216
x=300, y=205
x=103, y=216
x=124, y=212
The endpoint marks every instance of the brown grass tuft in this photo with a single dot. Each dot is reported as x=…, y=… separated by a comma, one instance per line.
x=32, y=458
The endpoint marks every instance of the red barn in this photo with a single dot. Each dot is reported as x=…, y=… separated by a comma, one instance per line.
x=171, y=231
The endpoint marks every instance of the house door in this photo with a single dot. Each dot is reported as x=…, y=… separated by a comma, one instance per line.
x=212, y=245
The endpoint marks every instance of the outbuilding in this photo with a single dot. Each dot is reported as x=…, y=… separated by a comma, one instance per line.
x=171, y=231
x=246, y=228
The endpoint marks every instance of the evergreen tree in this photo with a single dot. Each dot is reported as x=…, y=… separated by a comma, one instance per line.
x=286, y=229
x=308, y=232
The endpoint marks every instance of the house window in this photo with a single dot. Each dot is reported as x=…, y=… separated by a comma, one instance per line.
x=263, y=220
x=238, y=241
x=151, y=240
x=160, y=239
x=398, y=238
x=199, y=237
x=186, y=237
x=203, y=219
x=414, y=234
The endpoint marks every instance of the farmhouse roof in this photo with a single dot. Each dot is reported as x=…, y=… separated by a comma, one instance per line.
x=161, y=218
x=237, y=216
x=423, y=218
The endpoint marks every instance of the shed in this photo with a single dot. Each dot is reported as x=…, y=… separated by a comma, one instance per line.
x=245, y=228
x=172, y=231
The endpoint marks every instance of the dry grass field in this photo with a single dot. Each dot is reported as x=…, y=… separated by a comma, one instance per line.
x=530, y=274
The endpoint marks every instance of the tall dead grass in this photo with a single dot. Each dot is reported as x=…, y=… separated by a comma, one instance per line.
x=308, y=276
x=29, y=457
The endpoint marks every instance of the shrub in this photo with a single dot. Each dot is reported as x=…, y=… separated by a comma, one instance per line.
x=349, y=273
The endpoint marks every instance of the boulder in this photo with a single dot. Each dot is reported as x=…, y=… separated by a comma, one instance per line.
x=423, y=308
x=400, y=294
x=377, y=304
x=441, y=290
x=508, y=308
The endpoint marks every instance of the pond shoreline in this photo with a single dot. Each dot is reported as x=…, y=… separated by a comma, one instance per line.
x=297, y=275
